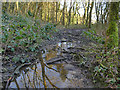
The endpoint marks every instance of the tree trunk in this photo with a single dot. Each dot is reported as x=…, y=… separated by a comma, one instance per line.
x=69, y=17
x=112, y=31
x=87, y=12
x=64, y=12
x=90, y=15
x=41, y=3
x=56, y=10
x=17, y=5
x=119, y=45
x=106, y=13
x=45, y=10
x=48, y=12
x=73, y=15
x=77, y=18
x=101, y=13
x=97, y=10
x=84, y=16
x=53, y=11
x=112, y=38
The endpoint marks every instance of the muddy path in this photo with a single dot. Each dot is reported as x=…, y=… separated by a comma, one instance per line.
x=58, y=64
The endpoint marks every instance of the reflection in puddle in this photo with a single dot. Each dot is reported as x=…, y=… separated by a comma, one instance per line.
x=41, y=75
x=36, y=77
x=65, y=45
x=56, y=50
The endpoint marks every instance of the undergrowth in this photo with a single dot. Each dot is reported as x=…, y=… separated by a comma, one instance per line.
x=105, y=66
x=23, y=33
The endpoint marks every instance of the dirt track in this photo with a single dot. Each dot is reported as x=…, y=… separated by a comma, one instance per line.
x=79, y=45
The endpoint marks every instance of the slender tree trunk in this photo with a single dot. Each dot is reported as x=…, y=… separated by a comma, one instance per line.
x=41, y=10
x=66, y=16
x=106, y=12
x=17, y=5
x=84, y=16
x=73, y=15
x=36, y=13
x=97, y=11
x=45, y=14
x=90, y=15
x=48, y=12
x=101, y=13
x=56, y=10
x=8, y=7
x=64, y=12
x=77, y=18
x=69, y=17
x=53, y=11
x=87, y=12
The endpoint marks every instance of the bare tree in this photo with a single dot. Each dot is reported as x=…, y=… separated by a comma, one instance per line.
x=48, y=12
x=97, y=9
x=90, y=15
x=56, y=10
x=69, y=17
x=87, y=12
x=63, y=22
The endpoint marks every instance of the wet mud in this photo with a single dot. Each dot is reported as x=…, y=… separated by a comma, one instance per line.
x=56, y=65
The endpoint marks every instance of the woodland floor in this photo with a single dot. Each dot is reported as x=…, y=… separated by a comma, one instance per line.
x=76, y=55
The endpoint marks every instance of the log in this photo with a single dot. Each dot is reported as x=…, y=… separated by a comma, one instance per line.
x=79, y=48
x=56, y=59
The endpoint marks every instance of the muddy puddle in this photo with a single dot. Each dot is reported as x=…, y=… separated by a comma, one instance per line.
x=56, y=75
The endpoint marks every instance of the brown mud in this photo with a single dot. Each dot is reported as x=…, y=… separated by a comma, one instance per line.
x=62, y=62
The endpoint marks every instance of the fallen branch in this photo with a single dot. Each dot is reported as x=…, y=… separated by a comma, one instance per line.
x=56, y=59
x=16, y=72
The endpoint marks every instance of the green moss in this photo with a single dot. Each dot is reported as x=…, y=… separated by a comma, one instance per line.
x=112, y=34
x=112, y=31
